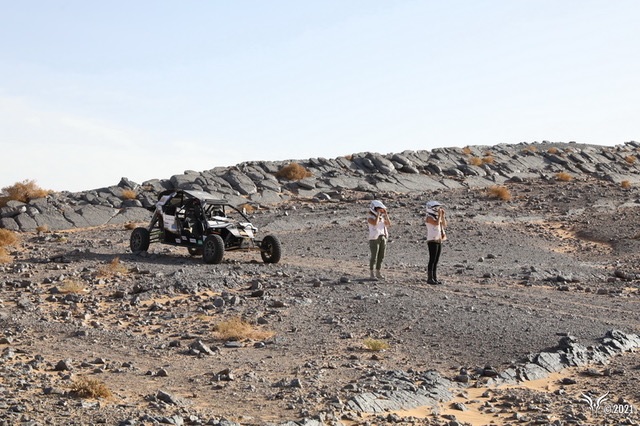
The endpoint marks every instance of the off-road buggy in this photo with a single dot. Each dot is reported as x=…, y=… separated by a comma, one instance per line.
x=206, y=225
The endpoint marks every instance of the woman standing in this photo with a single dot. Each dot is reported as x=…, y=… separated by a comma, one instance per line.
x=378, y=221
x=436, y=224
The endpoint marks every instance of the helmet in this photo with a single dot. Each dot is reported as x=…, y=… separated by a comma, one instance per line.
x=432, y=206
x=376, y=204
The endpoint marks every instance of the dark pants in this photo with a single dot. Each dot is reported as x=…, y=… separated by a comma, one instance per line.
x=434, y=256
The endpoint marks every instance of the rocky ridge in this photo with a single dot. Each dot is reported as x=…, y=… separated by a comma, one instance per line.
x=363, y=173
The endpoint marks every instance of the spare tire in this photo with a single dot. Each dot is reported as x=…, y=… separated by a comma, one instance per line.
x=270, y=249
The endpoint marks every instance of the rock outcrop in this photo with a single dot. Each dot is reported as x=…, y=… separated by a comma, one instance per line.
x=256, y=182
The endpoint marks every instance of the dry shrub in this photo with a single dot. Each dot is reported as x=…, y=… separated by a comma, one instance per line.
x=247, y=208
x=129, y=194
x=625, y=184
x=466, y=150
x=24, y=191
x=4, y=256
x=71, y=287
x=113, y=268
x=8, y=238
x=90, y=388
x=237, y=329
x=375, y=344
x=552, y=150
x=488, y=159
x=564, y=177
x=42, y=229
x=293, y=171
x=630, y=159
x=530, y=149
x=130, y=225
x=499, y=192
x=475, y=161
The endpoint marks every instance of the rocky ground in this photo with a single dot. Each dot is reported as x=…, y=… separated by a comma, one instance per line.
x=557, y=262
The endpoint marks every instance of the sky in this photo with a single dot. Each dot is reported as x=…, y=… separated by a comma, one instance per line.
x=93, y=91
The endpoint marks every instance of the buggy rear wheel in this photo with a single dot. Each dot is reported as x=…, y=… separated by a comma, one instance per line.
x=213, y=249
x=270, y=249
x=139, y=240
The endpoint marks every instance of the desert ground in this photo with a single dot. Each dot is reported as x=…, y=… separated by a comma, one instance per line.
x=558, y=259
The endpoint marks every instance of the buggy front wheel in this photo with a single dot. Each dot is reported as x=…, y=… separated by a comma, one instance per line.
x=270, y=249
x=213, y=249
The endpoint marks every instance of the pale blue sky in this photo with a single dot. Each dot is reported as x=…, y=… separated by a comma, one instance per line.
x=91, y=91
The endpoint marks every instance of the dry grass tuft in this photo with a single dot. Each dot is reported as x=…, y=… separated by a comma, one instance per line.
x=293, y=171
x=130, y=225
x=4, y=256
x=248, y=208
x=237, y=329
x=631, y=159
x=530, y=149
x=466, y=150
x=8, y=238
x=625, y=184
x=129, y=194
x=24, y=191
x=113, y=268
x=475, y=161
x=71, y=287
x=564, y=177
x=42, y=229
x=553, y=150
x=488, y=159
x=90, y=388
x=375, y=345
x=499, y=192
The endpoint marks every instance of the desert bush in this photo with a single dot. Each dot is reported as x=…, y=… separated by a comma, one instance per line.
x=236, y=328
x=24, y=191
x=630, y=159
x=488, y=159
x=499, y=192
x=71, y=287
x=553, y=150
x=563, y=176
x=293, y=171
x=85, y=387
x=625, y=184
x=375, y=344
x=466, y=150
x=113, y=268
x=8, y=238
x=247, y=208
x=530, y=149
x=4, y=256
x=41, y=229
x=129, y=194
x=475, y=161
x=130, y=225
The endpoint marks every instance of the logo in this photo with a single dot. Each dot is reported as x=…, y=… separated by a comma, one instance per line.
x=596, y=404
